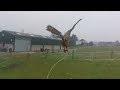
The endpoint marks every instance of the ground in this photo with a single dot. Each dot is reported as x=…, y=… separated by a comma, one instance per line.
x=83, y=63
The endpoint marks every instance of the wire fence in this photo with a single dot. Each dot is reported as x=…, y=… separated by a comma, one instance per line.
x=73, y=54
x=98, y=55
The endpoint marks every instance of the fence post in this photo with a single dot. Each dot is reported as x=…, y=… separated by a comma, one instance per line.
x=73, y=54
x=111, y=53
x=52, y=48
x=46, y=53
x=92, y=56
x=10, y=51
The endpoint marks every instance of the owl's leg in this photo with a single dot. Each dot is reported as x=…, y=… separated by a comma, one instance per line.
x=64, y=49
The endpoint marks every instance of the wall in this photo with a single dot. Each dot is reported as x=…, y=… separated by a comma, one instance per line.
x=7, y=46
x=38, y=47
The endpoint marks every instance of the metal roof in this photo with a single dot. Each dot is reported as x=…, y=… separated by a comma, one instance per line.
x=29, y=35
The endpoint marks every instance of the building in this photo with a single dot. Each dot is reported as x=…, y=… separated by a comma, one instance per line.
x=78, y=42
x=27, y=42
x=108, y=44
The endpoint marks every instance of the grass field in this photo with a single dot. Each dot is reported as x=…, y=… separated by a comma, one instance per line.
x=84, y=63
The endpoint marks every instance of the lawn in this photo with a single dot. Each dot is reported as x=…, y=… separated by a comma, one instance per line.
x=84, y=63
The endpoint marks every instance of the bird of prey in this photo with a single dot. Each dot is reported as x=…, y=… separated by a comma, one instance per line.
x=65, y=38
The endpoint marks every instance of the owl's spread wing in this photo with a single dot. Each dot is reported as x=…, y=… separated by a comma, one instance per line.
x=67, y=34
x=54, y=31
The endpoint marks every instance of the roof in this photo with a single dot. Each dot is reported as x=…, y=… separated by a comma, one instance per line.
x=29, y=35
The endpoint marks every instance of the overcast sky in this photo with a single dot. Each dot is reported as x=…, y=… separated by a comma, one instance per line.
x=95, y=26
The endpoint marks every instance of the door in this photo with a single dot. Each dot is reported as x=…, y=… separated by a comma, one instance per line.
x=22, y=45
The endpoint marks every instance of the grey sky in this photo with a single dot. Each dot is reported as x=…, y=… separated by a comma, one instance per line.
x=95, y=26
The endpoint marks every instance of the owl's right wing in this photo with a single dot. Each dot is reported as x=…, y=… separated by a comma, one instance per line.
x=54, y=31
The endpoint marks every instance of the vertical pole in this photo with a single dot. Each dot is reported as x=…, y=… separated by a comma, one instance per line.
x=111, y=53
x=43, y=49
x=46, y=53
x=73, y=54
x=14, y=44
x=30, y=45
x=43, y=46
x=92, y=56
x=60, y=46
x=52, y=48
x=3, y=40
x=10, y=51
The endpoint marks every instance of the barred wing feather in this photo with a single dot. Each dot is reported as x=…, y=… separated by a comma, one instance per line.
x=53, y=30
x=67, y=34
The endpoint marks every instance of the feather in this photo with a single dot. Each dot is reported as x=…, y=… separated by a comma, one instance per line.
x=67, y=34
x=53, y=30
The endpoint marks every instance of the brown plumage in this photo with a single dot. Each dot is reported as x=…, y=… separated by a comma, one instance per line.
x=65, y=38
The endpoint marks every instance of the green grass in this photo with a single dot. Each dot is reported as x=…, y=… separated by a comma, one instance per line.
x=88, y=63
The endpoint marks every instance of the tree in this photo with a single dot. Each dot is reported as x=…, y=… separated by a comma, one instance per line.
x=73, y=40
x=117, y=43
x=83, y=42
x=91, y=43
